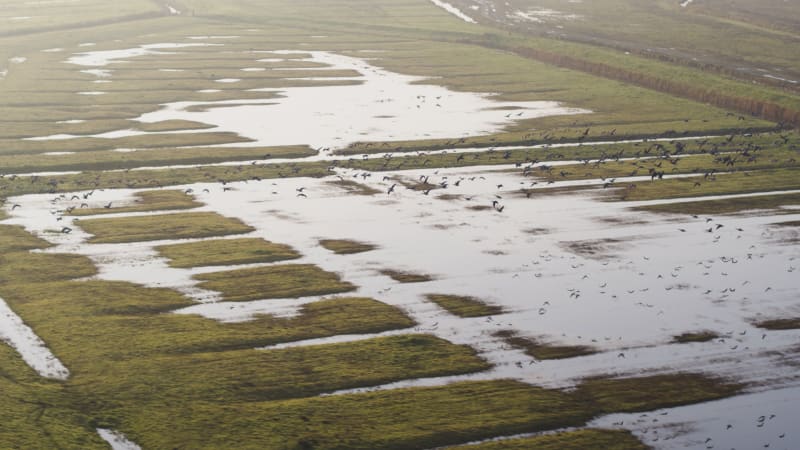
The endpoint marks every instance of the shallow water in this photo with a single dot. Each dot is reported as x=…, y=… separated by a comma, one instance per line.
x=383, y=105
x=733, y=423
x=453, y=10
x=653, y=282
x=117, y=440
x=106, y=57
x=526, y=273
x=33, y=350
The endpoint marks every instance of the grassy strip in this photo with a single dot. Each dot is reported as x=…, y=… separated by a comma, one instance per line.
x=113, y=160
x=586, y=439
x=35, y=413
x=692, y=164
x=395, y=419
x=727, y=184
x=25, y=267
x=406, y=277
x=226, y=252
x=281, y=281
x=257, y=375
x=346, y=246
x=699, y=336
x=14, y=238
x=615, y=395
x=779, y=324
x=146, y=201
x=94, y=323
x=684, y=82
x=87, y=144
x=464, y=306
x=725, y=206
x=158, y=178
x=540, y=350
x=171, y=125
x=166, y=226
x=787, y=224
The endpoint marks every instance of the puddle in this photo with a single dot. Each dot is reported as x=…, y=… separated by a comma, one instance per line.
x=453, y=10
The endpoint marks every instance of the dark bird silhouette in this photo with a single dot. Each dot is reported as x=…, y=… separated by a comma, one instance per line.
x=391, y=188
x=15, y=206
x=108, y=206
x=66, y=230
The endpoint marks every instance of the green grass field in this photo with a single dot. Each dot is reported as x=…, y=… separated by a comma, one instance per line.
x=145, y=201
x=225, y=252
x=278, y=281
x=160, y=227
x=346, y=246
x=464, y=306
x=540, y=350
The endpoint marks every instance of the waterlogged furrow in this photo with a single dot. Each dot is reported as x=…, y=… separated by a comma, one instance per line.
x=30, y=347
x=117, y=440
x=453, y=10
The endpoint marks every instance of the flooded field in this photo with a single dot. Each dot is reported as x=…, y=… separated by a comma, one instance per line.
x=235, y=229
x=373, y=105
x=565, y=269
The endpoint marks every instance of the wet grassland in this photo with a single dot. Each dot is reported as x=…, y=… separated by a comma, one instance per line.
x=172, y=380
